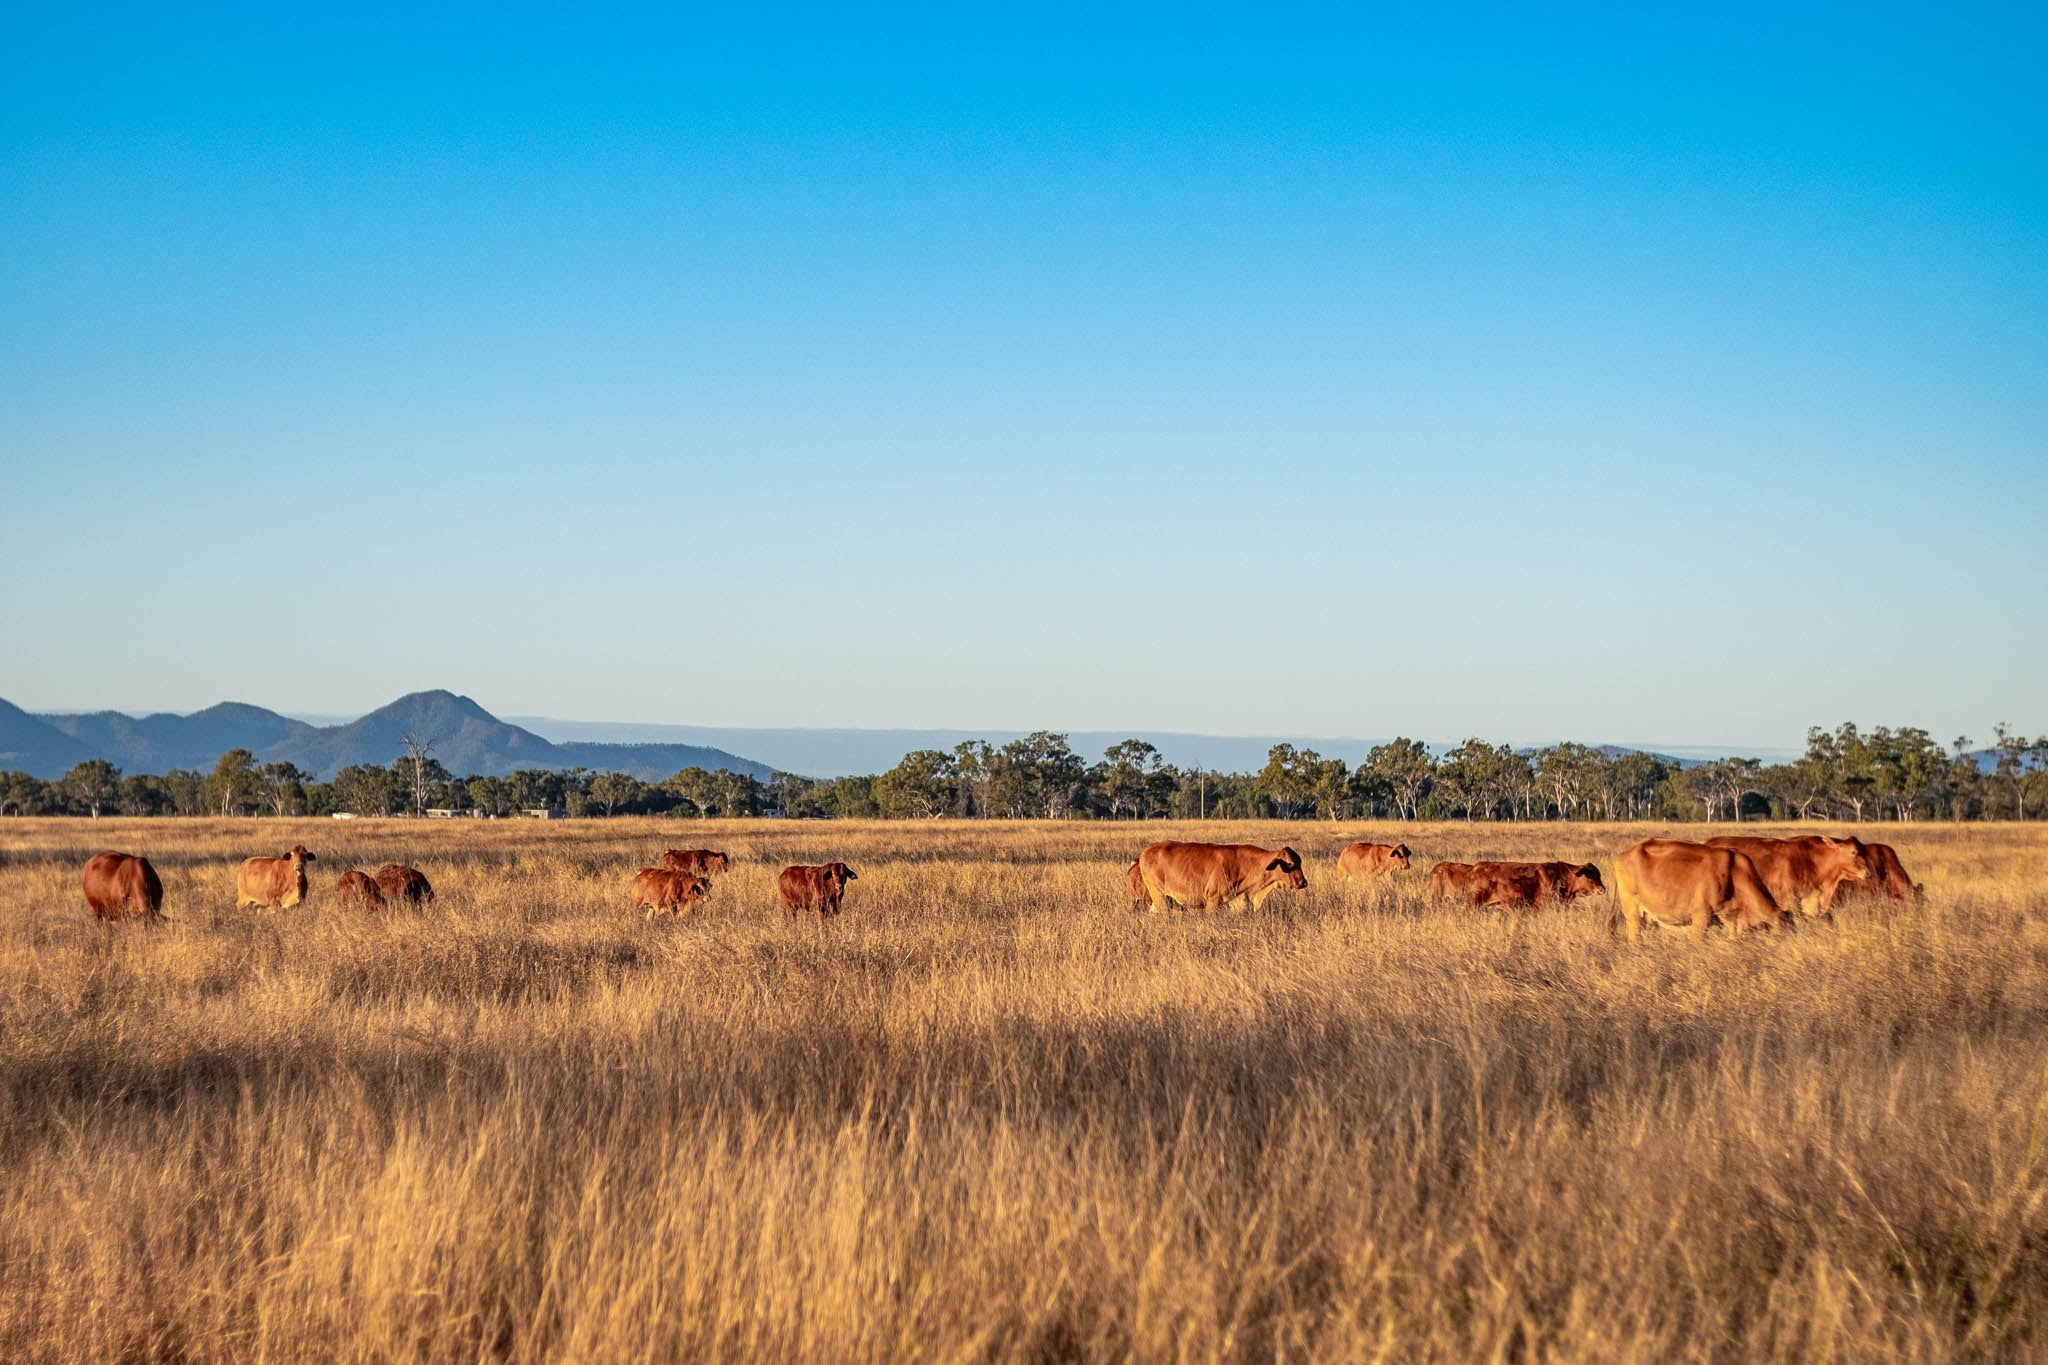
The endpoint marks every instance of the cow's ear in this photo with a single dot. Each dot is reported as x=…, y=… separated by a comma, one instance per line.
x=1279, y=864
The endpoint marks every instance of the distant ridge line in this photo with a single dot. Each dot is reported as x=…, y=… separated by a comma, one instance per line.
x=467, y=740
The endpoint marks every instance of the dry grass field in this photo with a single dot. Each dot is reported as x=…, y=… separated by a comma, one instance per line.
x=990, y=1113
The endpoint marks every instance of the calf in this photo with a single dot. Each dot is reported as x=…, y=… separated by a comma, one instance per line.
x=1361, y=861
x=668, y=892
x=1507, y=886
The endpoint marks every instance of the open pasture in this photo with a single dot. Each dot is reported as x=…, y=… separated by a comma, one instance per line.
x=991, y=1113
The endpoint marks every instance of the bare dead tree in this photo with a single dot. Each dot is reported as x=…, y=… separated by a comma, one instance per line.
x=417, y=750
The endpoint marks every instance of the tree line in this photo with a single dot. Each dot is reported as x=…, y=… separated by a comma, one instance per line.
x=1845, y=774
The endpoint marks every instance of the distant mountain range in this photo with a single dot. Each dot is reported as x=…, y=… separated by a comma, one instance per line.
x=466, y=738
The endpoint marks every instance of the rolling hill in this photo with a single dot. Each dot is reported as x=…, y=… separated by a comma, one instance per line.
x=466, y=740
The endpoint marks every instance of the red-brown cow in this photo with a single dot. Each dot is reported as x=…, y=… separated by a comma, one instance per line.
x=1210, y=876
x=1672, y=882
x=273, y=881
x=818, y=888
x=1887, y=877
x=702, y=861
x=401, y=883
x=1508, y=886
x=1804, y=874
x=358, y=891
x=122, y=886
x=666, y=891
x=1364, y=861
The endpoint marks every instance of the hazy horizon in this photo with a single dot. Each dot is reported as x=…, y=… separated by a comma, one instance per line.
x=1629, y=376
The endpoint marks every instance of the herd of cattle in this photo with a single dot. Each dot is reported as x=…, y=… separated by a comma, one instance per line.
x=1739, y=881
x=123, y=886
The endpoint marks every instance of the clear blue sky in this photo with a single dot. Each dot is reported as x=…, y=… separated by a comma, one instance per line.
x=1680, y=376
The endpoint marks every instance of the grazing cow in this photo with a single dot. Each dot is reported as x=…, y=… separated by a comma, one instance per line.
x=817, y=888
x=273, y=881
x=1676, y=883
x=669, y=892
x=701, y=861
x=358, y=891
x=1209, y=876
x=1508, y=886
x=1134, y=880
x=1887, y=877
x=401, y=883
x=1361, y=861
x=122, y=886
x=1804, y=874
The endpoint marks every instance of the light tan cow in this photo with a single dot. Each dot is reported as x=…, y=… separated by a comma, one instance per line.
x=665, y=891
x=1365, y=862
x=1672, y=882
x=273, y=881
x=1210, y=876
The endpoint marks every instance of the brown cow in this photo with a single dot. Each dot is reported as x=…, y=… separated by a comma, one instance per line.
x=1361, y=861
x=401, y=883
x=1209, y=876
x=1887, y=877
x=1134, y=881
x=1675, y=883
x=1804, y=873
x=669, y=892
x=817, y=888
x=122, y=886
x=358, y=891
x=701, y=861
x=273, y=881
x=1507, y=886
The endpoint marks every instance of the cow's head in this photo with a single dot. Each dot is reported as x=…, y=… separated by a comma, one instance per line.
x=715, y=862
x=695, y=889
x=1583, y=880
x=1287, y=863
x=841, y=873
x=1398, y=856
x=299, y=856
x=1847, y=858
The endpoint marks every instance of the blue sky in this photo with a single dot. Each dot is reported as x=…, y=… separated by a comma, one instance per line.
x=1661, y=378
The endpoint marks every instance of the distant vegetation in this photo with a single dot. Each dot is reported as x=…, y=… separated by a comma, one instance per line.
x=1845, y=774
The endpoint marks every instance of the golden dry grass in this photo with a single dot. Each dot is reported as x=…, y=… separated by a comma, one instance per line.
x=991, y=1114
